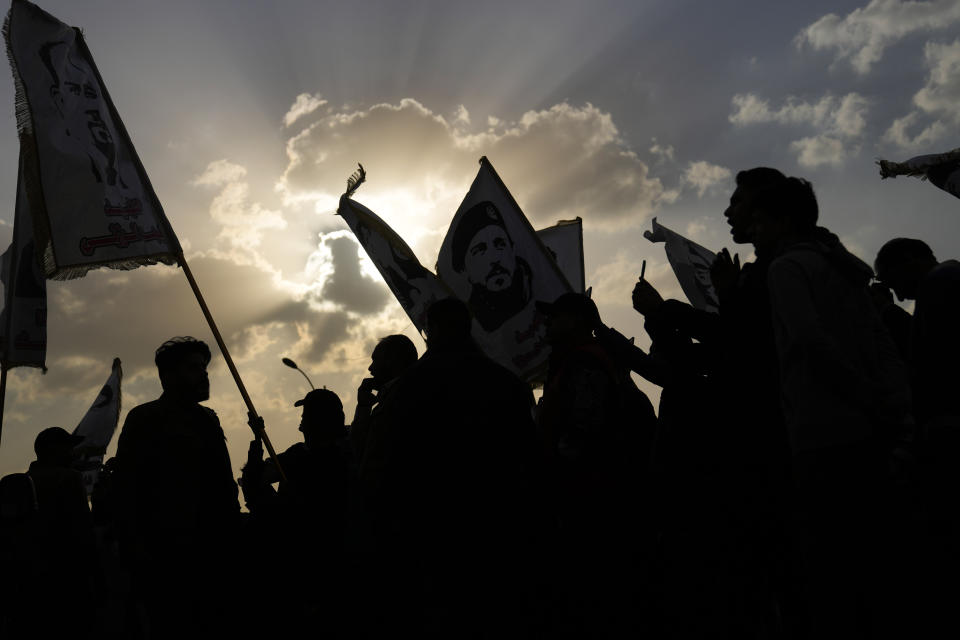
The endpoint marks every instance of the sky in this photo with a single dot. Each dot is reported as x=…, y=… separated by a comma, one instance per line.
x=250, y=115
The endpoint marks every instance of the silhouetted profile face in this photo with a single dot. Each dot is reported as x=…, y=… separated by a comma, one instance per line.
x=739, y=215
x=490, y=260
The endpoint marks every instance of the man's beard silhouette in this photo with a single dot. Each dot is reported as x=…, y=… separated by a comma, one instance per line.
x=493, y=308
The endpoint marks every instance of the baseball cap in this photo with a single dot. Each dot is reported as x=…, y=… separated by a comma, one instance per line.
x=55, y=440
x=321, y=400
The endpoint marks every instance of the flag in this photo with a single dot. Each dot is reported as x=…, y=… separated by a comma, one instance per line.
x=414, y=286
x=564, y=241
x=23, y=322
x=494, y=261
x=941, y=169
x=91, y=201
x=691, y=264
x=98, y=427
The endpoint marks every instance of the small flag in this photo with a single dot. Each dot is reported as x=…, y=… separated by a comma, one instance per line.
x=414, y=286
x=23, y=322
x=941, y=169
x=91, y=201
x=564, y=241
x=691, y=264
x=493, y=260
x=98, y=426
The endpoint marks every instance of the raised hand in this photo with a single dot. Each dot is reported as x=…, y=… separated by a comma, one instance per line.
x=646, y=299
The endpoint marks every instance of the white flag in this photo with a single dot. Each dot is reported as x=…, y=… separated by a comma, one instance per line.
x=91, y=200
x=493, y=260
x=23, y=322
x=564, y=241
x=691, y=264
x=414, y=286
x=98, y=427
x=941, y=169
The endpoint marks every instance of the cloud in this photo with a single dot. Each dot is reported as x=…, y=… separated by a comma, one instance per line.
x=941, y=94
x=938, y=102
x=662, y=152
x=899, y=132
x=305, y=104
x=242, y=222
x=703, y=176
x=840, y=124
x=558, y=162
x=462, y=116
x=347, y=286
x=862, y=36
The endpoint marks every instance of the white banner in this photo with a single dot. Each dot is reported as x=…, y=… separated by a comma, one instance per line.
x=23, y=322
x=493, y=260
x=98, y=426
x=564, y=241
x=414, y=286
x=691, y=264
x=92, y=202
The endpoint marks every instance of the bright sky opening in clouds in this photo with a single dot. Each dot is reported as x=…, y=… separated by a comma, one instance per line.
x=249, y=117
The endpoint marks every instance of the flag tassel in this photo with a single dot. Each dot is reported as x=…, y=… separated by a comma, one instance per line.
x=259, y=433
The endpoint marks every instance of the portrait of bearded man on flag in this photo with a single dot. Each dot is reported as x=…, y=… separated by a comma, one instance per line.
x=75, y=96
x=500, y=280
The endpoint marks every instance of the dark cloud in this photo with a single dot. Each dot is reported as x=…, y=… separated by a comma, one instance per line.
x=348, y=286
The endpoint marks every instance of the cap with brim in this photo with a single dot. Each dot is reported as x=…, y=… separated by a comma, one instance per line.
x=55, y=439
x=320, y=399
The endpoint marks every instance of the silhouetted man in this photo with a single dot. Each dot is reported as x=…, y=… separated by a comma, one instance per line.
x=61, y=564
x=456, y=508
x=500, y=279
x=178, y=496
x=724, y=370
x=391, y=357
x=599, y=427
x=909, y=267
x=845, y=399
x=307, y=520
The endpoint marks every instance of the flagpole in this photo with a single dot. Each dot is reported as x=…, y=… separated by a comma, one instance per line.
x=258, y=432
x=3, y=394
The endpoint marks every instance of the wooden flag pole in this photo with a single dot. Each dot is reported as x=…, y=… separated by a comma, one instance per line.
x=3, y=394
x=258, y=432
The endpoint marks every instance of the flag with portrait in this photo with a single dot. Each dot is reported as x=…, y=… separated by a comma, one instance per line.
x=91, y=201
x=691, y=264
x=98, y=426
x=494, y=261
x=941, y=169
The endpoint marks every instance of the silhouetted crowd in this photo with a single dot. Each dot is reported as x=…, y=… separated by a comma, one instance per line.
x=800, y=480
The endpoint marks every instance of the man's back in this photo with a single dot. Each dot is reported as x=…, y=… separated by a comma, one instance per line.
x=175, y=470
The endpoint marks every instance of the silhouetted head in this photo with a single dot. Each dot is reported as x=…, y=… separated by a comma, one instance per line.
x=784, y=210
x=483, y=249
x=902, y=263
x=570, y=319
x=739, y=213
x=449, y=324
x=54, y=446
x=182, y=365
x=392, y=356
x=322, y=417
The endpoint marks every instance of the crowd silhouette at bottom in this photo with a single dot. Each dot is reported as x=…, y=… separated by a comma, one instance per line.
x=799, y=480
